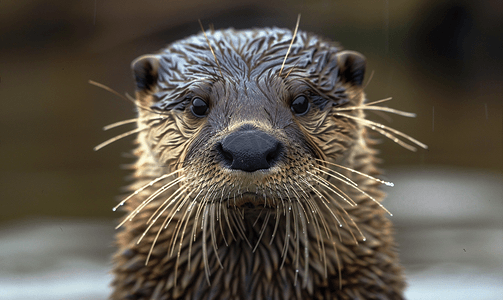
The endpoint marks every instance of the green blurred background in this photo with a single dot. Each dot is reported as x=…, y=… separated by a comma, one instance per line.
x=440, y=59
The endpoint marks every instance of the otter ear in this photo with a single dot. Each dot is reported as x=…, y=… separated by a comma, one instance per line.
x=351, y=67
x=145, y=72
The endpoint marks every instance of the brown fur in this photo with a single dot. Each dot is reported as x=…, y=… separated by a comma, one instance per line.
x=309, y=227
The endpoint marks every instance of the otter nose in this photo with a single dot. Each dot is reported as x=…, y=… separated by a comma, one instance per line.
x=249, y=150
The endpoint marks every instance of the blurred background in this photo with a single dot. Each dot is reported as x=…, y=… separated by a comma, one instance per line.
x=440, y=59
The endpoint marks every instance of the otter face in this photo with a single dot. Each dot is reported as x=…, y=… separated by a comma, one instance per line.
x=249, y=160
x=236, y=126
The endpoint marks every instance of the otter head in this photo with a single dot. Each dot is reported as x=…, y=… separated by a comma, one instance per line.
x=244, y=124
x=254, y=142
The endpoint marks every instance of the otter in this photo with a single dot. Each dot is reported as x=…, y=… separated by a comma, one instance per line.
x=255, y=176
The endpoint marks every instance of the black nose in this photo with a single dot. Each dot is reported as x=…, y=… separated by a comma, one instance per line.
x=249, y=150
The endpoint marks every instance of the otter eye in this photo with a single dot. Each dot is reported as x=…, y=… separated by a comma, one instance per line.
x=300, y=105
x=199, y=107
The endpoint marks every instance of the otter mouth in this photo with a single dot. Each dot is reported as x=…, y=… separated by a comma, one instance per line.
x=249, y=200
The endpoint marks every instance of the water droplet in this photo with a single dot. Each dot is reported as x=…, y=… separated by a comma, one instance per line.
x=364, y=239
x=114, y=209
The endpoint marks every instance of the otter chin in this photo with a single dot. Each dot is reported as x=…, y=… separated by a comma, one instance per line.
x=255, y=175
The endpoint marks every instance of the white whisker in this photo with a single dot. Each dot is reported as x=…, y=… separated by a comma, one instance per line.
x=327, y=184
x=204, y=241
x=189, y=209
x=377, y=108
x=151, y=183
x=388, y=183
x=120, y=123
x=120, y=136
x=168, y=218
x=378, y=101
x=164, y=225
x=286, y=243
x=291, y=43
x=156, y=194
x=380, y=128
x=213, y=234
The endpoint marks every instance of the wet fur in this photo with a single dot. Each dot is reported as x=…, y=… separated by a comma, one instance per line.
x=311, y=227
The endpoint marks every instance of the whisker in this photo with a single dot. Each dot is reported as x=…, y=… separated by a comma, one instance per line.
x=379, y=108
x=204, y=241
x=370, y=79
x=352, y=221
x=380, y=128
x=213, y=234
x=127, y=97
x=179, y=193
x=151, y=183
x=364, y=193
x=262, y=230
x=168, y=218
x=108, y=89
x=337, y=175
x=211, y=48
x=189, y=209
x=308, y=200
x=379, y=101
x=133, y=213
x=321, y=245
x=118, y=137
x=326, y=184
x=325, y=202
x=154, y=242
x=388, y=183
x=338, y=211
x=291, y=43
x=237, y=223
x=286, y=243
x=179, y=223
x=203, y=203
x=329, y=233
x=226, y=216
x=240, y=213
x=294, y=215
x=120, y=123
x=129, y=121
x=164, y=225
x=258, y=217
x=277, y=217
x=338, y=189
x=291, y=69
x=335, y=202
x=303, y=220
x=221, y=221
x=194, y=224
x=297, y=195
x=297, y=244
x=155, y=194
